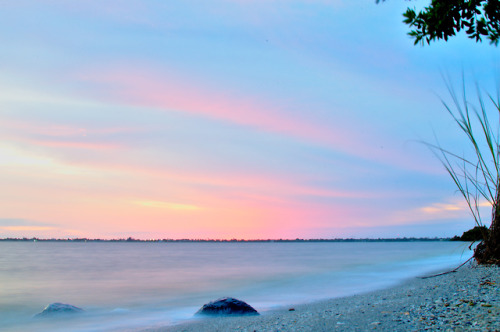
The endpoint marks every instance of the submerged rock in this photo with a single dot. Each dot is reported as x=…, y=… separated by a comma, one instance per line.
x=226, y=306
x=58, y=309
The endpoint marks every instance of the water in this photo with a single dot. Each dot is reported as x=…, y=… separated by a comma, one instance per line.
x=129, y=286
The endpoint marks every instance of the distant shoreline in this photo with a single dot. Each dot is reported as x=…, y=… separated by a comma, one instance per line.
x=404, y=239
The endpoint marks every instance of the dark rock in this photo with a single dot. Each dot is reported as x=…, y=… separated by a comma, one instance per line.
x=58, y=309
x=226, y=306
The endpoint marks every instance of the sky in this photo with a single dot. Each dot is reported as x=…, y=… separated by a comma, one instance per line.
x=228, y=119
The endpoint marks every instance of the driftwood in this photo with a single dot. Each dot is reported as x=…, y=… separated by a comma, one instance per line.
x=452, y=271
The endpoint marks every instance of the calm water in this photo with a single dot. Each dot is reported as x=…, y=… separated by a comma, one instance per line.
x=140, y=285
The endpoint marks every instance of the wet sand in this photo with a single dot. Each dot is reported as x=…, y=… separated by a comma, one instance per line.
x=467, y=300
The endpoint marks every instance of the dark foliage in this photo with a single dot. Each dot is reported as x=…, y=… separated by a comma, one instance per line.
x=477, y=233
x=444, y=18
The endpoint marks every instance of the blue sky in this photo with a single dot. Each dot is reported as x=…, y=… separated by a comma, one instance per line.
x=221, y=119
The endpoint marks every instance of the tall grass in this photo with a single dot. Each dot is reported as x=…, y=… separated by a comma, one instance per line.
x=477, y=174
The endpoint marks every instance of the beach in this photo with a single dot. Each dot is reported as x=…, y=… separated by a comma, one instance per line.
x=466, y=300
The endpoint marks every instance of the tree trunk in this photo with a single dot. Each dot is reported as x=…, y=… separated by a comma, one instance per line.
x=488, y=251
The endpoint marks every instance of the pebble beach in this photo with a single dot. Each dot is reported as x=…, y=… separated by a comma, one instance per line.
x=465, y=300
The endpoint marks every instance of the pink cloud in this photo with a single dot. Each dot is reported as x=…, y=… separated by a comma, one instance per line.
x=174, y=92
x=170, y=90
x=76, y=145
x=171, y=203
x=251, y=186
x=106, y=197
x=39, y=133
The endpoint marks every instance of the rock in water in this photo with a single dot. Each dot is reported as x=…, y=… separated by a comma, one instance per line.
x=58, y=309
x=226, y=306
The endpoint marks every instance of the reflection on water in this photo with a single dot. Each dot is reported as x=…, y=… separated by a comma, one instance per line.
x=144, y=284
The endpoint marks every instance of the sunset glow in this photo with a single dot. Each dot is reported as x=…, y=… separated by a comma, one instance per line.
x=238, y=119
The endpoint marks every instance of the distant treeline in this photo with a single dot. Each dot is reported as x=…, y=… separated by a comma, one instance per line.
x=130, y=239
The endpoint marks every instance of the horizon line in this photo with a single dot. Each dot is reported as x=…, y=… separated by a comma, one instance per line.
x=131, y=239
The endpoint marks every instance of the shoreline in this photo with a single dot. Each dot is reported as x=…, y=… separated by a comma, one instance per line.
x=464, y=300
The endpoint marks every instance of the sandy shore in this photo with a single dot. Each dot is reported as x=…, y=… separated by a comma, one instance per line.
x=467, y=300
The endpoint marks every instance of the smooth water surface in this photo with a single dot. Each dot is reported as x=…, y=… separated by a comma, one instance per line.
x=139, y=285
